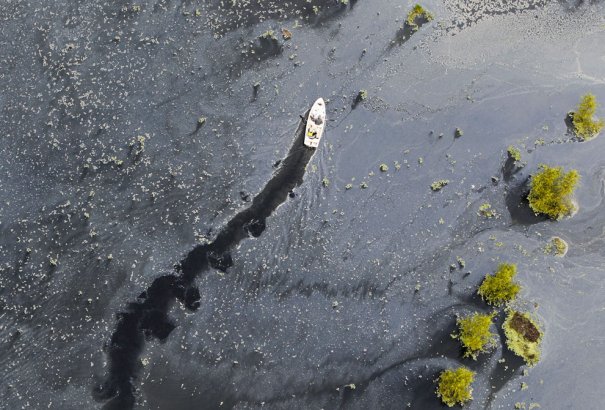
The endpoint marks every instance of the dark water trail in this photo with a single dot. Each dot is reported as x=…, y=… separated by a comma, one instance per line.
x=148, y=315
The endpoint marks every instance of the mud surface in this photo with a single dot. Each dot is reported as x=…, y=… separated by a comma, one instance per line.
x=525, y=327
x=150, y=259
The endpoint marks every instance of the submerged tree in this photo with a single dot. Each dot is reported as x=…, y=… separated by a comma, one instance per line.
x=551, y=191
x=585, y=125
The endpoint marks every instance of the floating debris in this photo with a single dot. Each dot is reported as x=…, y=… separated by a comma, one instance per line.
x=286, y=34
x=439, y=184
x=551, y=191
x=454, y=386
x=499, y=288
x=348, y=186
x=523, y=336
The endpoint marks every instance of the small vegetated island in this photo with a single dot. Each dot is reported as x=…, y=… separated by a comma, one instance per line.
x=523, y=336
x=586, y=126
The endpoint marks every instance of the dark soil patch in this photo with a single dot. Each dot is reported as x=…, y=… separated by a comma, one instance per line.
x=525, y=327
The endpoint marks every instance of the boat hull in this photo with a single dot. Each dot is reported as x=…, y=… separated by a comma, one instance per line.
x=316, y=123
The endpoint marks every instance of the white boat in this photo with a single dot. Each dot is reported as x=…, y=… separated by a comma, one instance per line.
x=315, y=123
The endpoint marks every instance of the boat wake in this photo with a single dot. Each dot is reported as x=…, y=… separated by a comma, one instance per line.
x=147, y=316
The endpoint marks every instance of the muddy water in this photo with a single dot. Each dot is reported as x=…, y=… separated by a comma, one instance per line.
x=208, y=267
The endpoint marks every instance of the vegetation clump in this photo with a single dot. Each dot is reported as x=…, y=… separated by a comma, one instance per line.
x=474, y=333
x=417, y=15
x=500, y=288
x=362, y=95
x=485, y=209
x=551, y=191
x=514, y=153
x=384, y=167
x=325, y=182
x=268, y=35
x=439, y=184
x=523, y=336
x=458, y=133
x=454, y=386
x=556, y=245
x=585, y=125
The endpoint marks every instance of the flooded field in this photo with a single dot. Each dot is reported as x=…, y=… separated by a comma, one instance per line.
x=167, y=242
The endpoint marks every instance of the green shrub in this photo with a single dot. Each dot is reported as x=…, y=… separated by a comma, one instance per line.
x=585, y=126
x=551, y=191
x=514, y=153
x=417, y=13
x=500, y=288
x=454, y=386
x=474, y=333
x=523, y=336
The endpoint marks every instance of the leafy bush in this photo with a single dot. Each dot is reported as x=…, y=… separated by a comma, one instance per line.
x=500, y=288
x=474, y=333
x=551, y=191
x=585, y=126
x=454, y=386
